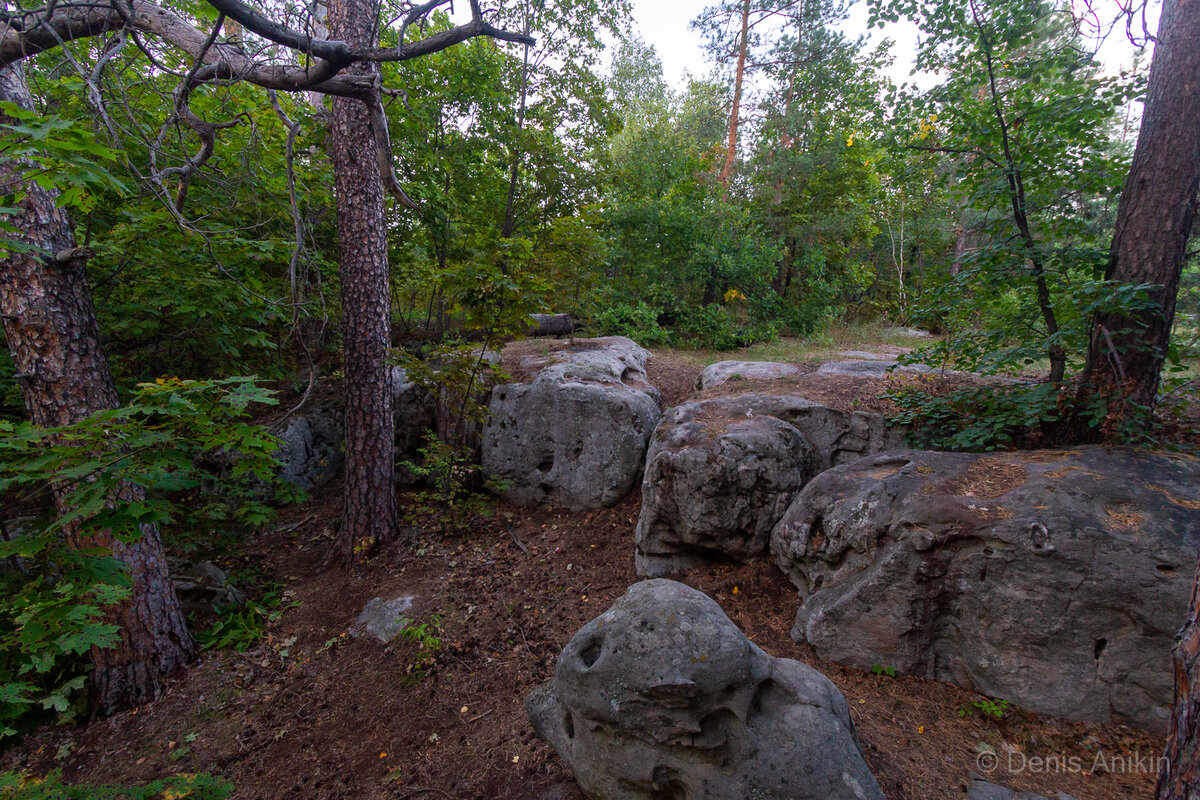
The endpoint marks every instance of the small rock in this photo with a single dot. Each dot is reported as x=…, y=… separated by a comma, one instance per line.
x=381, y=618
x=202, y=586
x=723, y=371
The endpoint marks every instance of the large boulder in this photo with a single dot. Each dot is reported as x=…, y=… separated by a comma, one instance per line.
x=1052, y=579
x=662, y=696
x=724, y=371
x=413, y=411
x=312, y=449
x=572, y=430
x=720, y=473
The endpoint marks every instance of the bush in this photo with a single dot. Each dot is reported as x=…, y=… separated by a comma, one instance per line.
x=14, y=786
x=53, y=597
x=639, y=322
x=981, y=418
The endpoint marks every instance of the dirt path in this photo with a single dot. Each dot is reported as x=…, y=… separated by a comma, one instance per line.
x=311, y=713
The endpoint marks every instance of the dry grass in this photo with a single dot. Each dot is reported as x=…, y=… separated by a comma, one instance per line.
x=826, y=345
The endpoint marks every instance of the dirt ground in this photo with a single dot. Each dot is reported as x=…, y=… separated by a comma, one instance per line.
x=310, y=712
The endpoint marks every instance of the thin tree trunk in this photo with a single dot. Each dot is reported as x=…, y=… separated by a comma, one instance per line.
x=739, y=75
x=1154, y=220
x=1016, y=194
x=516, y=153
x=50, y=324
x=369, y=511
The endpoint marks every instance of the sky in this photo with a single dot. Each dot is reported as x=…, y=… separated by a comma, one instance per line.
x=664, y=24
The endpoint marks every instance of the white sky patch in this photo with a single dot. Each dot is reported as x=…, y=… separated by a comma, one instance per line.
x=665, y=25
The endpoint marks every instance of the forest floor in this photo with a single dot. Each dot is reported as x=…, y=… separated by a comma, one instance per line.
x=311, y=712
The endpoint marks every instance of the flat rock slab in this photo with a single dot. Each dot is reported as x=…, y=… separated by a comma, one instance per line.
x=872, y=368
x=662, y=696
x=980, y=789
x=866, y=355
x=382, y=618
x=725, y=371
x=572, y=430
x=721, y=472
x=1053, y=579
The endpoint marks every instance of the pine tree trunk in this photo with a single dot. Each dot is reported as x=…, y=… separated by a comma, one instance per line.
x=369, y=513
x=51, y=327
x=734, y=113
x=1154, y=219
x=1179, y=777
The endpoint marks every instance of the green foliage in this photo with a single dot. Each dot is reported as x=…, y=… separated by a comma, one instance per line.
x=116, y=471
x=980, y=418
x=427, y=637
x=14, y=786
x=991, y=709
x=242, y=625
x=59, y=155
x=1022, y=123
x=880, y=669
x=637, y=321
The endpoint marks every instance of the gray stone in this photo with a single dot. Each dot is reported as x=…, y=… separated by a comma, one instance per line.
x=662, y=696
x=866, y=355
x=1055, y=580
x=552, y=325
x=874, y=368
x=413, y=410
x=914, y=333
x=721, y=472
x=981, y=789
x=203, y=586
x=723, y=371
x=312, y=450
x=574, y=434
x=381, y=618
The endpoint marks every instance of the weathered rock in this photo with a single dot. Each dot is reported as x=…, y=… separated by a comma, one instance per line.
x=721, y=472
x=1052, y=579
x=312, y=452
x=574, y=434
x=723, y=371
x=874, y=368
x=203, y=586
x=413, y=410
x=663, y=697
x=865, y=355
x=381, y=618
x=552, y=325
x=980, y=789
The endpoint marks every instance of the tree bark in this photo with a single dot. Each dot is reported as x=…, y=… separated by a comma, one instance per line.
x=734, y=113
x=369, y=512
x=51, y=327
x=1179, y=775
x=1154, y=220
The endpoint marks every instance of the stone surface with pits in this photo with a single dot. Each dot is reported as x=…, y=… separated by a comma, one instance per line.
x=571, y=431
x=662, y=696
x=1055, y=580
x=720, y=473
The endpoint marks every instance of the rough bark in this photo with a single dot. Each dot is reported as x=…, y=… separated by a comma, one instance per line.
x=369, y=513
x=1179, y=775
x=1154, y=220
x=50, y=325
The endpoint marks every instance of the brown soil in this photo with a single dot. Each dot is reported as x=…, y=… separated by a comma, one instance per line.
x=312, y=713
